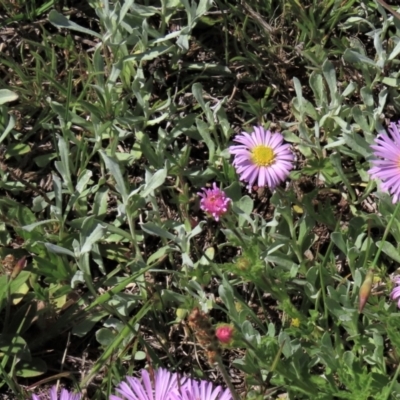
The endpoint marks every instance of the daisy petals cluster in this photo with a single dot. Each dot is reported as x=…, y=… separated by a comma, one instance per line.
x=395, y=294
x=168, y=386
x=214, y=201
x=165, y=386
x=386, y=165
x=64, y=395
x=203, y=390
x=143, y=389
x=262, y=157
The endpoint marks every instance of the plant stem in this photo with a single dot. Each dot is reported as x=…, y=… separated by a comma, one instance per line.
x=227, y=379
x=385, y=234
x=387, y=395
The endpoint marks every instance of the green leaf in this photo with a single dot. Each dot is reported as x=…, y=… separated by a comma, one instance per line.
x=58, y=249
x=246, y=204
x=64, y=166
x=154, y=229
x=7, y=95
x=203, y=7
x=13, y=345
x=330, y=76
x=17, y=149
x=154, y=182
x=395, y=52
x=31, y=227
x=197, y=90
x=95, y=235
x=105, y=336
x=33, y=368
x=390, y=250
x=352, y=56
x=140, y=356
x=151, y=54
x=115, y=170
x=338, y=239
x=86, y=325
x=317, y=85
x=60, y=21
x=8, y=128
x=204, y=130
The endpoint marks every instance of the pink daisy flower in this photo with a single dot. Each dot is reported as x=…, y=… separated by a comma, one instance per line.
x=214, y=201
x=262, y=156
x=64, y=395
x=132, y=388
x=168, y=386
x=395, y=294
x=203, y=390
x=386, y=166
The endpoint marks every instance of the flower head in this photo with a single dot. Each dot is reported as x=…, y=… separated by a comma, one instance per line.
x=64, y=395
x=168, y=386
x=386, y=166
x=295, y=322
x=132, y=388
x=224, y=333
x=214, y=201
x=395, y=294
x=262, y=156
x=203, y=390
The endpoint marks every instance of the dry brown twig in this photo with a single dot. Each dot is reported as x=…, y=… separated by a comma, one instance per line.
x=388, y=8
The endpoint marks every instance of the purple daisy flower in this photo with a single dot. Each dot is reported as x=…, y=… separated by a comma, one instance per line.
x=64, y=395
x=214, y=201
x=144, y=389
x=387, y=165
x=395, y=294
x=203, y=390
x=262, y=156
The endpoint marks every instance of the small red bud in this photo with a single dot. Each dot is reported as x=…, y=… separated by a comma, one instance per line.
x=224, y=333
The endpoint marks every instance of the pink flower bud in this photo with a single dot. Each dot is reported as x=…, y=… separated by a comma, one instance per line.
x=224, y=333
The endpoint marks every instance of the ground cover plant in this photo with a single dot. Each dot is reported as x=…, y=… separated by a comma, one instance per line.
x=199, y=199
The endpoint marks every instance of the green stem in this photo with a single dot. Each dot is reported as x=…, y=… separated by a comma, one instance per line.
x=289, y=220
x=227, y=380
x=326, y=314
x=163, y=12
x=233, y=228
x=274, y=364
x=8, y=304
x=385, y=234
x=387, y=396
x=322, y=266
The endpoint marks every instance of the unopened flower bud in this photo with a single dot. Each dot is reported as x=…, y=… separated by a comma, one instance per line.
x=18, y=267
x=224, y=333
x=181, y=313
x=365, y=289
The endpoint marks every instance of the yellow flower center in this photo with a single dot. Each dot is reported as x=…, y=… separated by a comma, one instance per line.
x=295, y=322
x=243, y=263
x=262, y=156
